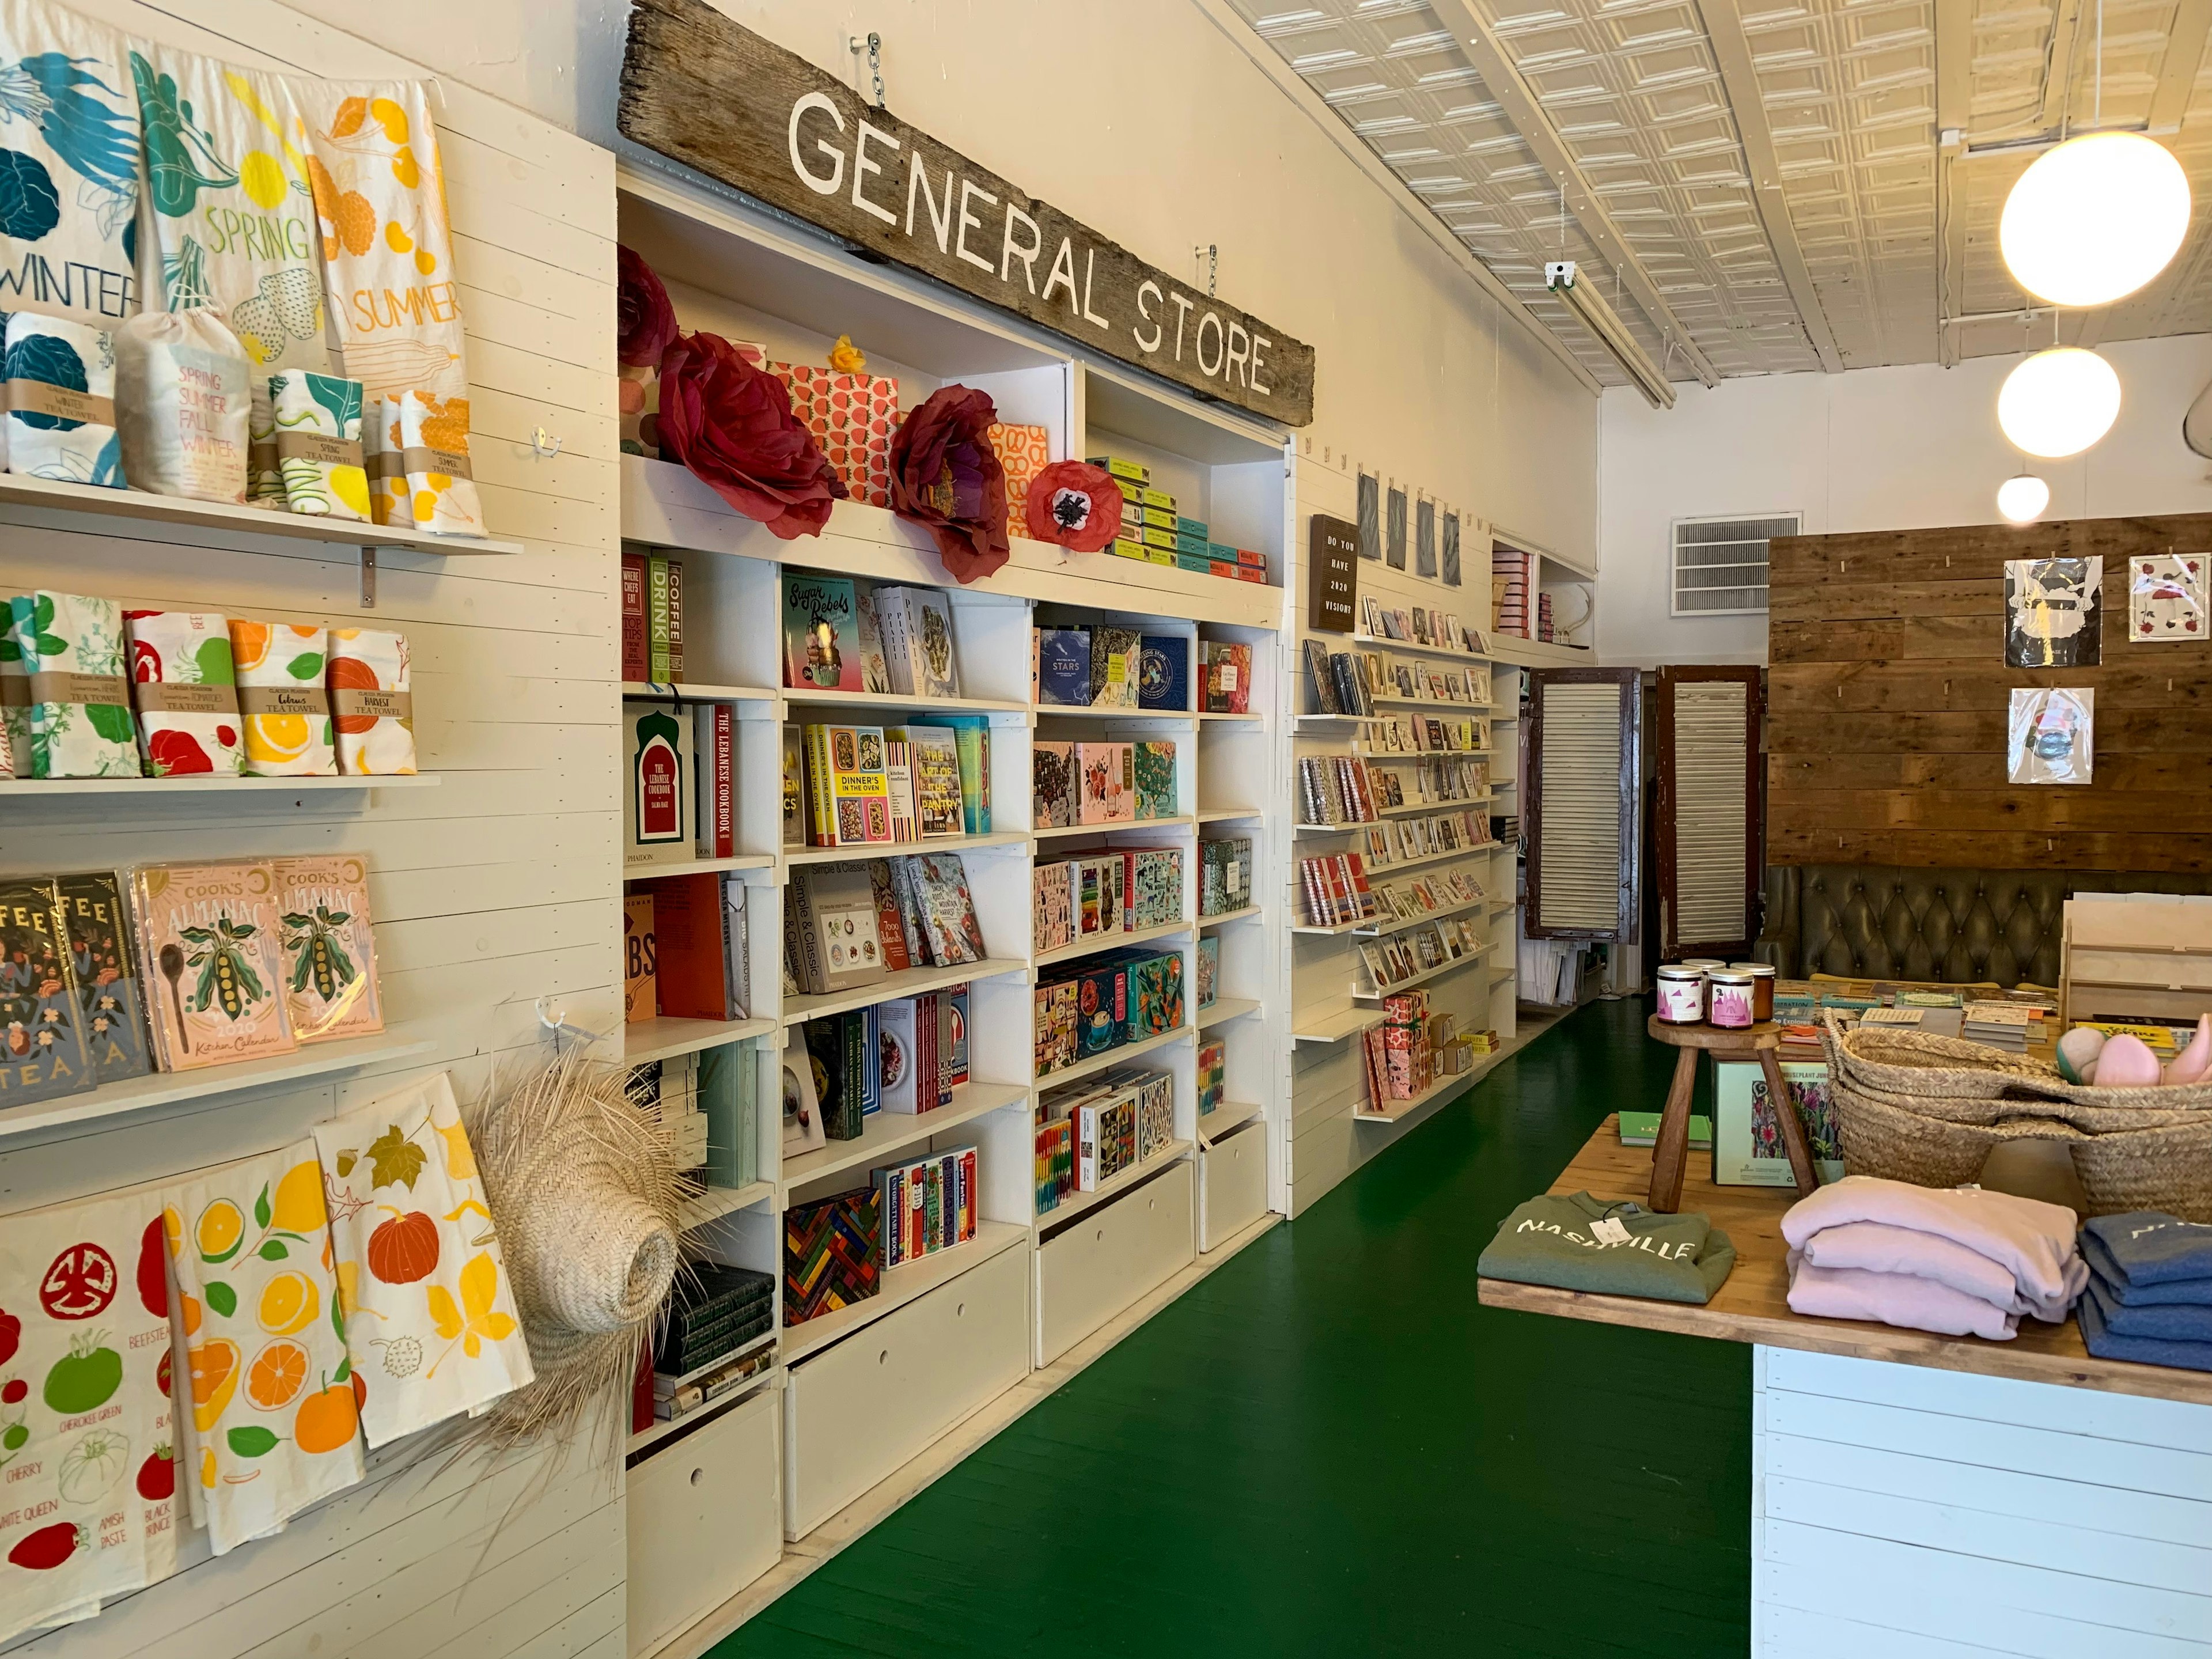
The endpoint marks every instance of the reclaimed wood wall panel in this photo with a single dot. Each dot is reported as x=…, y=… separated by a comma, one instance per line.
x=1887, y=696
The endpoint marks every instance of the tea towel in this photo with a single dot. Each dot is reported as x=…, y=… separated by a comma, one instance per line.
x=281, y=693
x=184, y=400
x=80, y=707
x=185, y=691
x=434, y=438
x=430, y=1318
x=68, y=164
x=14, y=697
x=85, y=1436
x=318, y=444
x=265, y=475
x=371, y=701
x=384, y=457
x=275, y=1423
x=61, y=402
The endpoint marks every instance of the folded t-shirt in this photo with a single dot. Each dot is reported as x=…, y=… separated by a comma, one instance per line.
x=1918, y=1305
x=2171, y=1321
x=1875, y=1247
x=2033, y=1240
x=1560, y=1241
x=2107, y=1344
x=2151, y=1247
x=2191, y=1292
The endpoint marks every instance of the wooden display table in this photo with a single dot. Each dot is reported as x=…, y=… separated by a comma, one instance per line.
x=1760, y=1042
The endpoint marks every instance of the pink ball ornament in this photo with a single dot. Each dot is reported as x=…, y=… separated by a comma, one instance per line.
x=2126, y=1062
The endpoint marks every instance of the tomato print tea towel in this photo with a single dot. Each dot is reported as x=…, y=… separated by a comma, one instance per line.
x=274, y=1423
x=80, y=701
x=186, y=692
x=318, y=444
x=371, y=701
x=209, y=933
x=434, y=437
x=430, y=1317
x=87, y=1484
x=61, y=401
x=281, y=693
x=329, y=952
x=68, y=152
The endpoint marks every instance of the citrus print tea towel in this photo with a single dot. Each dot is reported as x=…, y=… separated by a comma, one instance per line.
x=372, y=702
x=80, y=701
x=234, y=211
x=318, y=444
x=274, y=1419
x=281, y=693
x=208, y=934
x=430, y=1312
x=69, y=166
x=61, y=399
x=186, y=692
x=434, y=439
x=329, y=951
x=85, y=1432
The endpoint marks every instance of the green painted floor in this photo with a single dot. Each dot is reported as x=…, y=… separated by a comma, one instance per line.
x=1327, y=1447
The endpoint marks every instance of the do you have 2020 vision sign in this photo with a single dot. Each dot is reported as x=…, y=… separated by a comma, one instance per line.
x=703, y=91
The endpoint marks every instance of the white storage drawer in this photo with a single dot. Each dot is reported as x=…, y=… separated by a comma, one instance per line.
x=1232, y=1185
x=1109, y=1258
x=705, y=1519
x=857, y=1411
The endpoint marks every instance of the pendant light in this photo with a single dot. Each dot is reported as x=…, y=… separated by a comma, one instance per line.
x=2022, y=498
x=2097, y=217
x=2059, y=401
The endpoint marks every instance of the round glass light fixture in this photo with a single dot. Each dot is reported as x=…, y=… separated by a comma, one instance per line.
x=2059, y=401
x=2022, y=499
x=2094, y=219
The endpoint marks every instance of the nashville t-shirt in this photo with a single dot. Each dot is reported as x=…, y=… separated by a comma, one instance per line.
x=1584, y=1244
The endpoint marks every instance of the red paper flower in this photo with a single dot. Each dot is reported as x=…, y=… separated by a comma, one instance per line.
x=645, y=322
x=732, y=424
x=1075, y=504
x=947, y=477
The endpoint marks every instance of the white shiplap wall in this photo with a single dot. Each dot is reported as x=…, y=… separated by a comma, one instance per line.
x=495, y=888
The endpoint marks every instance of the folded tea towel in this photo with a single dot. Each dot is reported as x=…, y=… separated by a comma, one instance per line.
x=1584, y=1244
x=61, y=402
x=1919, y=1304
x=2034, y=1241
x=2106, y=1266
x=2151, y=1247
x=1872, y=1247
x=2105, y=1343
x=2172, y=1322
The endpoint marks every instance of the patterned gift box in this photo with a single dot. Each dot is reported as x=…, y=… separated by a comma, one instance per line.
x=1155, y=996
x=1155, y=1114
x=853, y=417
x=1024, y=451
x=832, y=1253
x=1055, y=1027
x=1154, y=765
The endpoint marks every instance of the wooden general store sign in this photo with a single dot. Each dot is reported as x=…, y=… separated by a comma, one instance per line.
x=703, y=91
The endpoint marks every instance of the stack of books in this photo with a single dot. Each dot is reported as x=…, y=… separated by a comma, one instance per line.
x=715, y=1312
x=2000, y=1024
x=1508, y=590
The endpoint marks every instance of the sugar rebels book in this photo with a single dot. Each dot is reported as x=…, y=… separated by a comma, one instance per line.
x=821, y=634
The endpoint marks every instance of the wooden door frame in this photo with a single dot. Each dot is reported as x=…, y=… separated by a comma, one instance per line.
x=1630, y=683
x=1664, y=848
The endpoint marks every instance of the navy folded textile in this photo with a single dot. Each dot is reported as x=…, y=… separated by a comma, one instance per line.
x=2168, y=1322
x=2151, y=1247
x=2144, y=1350
x=2196, y=1292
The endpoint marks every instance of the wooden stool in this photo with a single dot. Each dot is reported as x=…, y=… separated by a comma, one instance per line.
x=1760, y=1042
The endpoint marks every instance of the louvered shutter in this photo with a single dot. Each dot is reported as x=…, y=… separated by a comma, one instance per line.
x=1708, y=828
x=1584, y=775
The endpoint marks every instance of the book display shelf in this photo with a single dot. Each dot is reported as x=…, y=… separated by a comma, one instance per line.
x=856, y=1392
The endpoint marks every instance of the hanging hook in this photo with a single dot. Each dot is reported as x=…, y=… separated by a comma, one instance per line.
x=543, y=444
x=872, y=43
x=557, y=1022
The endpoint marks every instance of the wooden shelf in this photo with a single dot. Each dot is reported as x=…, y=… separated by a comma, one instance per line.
x=1229, y=814
x=1429, y=808
x=912, y=982
x=1427, y=704
x=1313, y=930
x=225, y=782
x=1427, y=974
x=167, y=1088
x=1350, y=826
x=1242, y=913
x=646, y=1439
x=889, y=849
x=648, y=1040
x=684, y=692
x=1405, y=1109
x=1222, y=1010
x=1481, y=849
x=1059, y=831
x=1076, y=1203
x=893, y=703
x=698, y=866
x=718, y=1201
x=901, y=1285
x=1230, y=1115
x=1204, y=714
x=884, y=1133
x=1415, y=922
x=1092, y=712
x=1414, y=648
x=17, y=490
x=1093, y=943
x=1334, y=1027
x=1112, y=1057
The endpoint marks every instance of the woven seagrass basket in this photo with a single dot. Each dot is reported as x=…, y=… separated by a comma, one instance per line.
x=1927, y=1110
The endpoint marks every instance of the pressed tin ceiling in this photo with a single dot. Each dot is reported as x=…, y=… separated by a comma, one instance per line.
x=1887, y=232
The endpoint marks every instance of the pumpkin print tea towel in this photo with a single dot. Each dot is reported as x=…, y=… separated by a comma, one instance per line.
x=329, y=952
x=68, y=164
x=371, y=701
x=281, y=693
x=186, y=692
x=274, y=1419
x=61, y=400
x=318, y=444
x=210, y=937
x=80, y=701
x=430, y=1313
x=85, y=1431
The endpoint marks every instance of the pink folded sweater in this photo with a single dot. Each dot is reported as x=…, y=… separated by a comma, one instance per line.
x=1920, y=1304
x=1875, y=1247
x=2032, y=1240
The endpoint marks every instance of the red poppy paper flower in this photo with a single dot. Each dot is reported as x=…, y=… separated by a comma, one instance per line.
x=645, y=322
x=732, y=424
x=947, y=477
x=1075, y=504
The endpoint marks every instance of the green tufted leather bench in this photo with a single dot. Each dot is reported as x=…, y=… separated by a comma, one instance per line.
x=1883, y=921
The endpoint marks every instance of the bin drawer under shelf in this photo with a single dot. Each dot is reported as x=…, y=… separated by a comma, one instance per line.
x=1232, y=1185
x=1110, y=1257
x=705, y=1519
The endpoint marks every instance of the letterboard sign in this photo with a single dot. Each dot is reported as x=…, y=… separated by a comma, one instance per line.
x=1334, y=601
x=701, y=90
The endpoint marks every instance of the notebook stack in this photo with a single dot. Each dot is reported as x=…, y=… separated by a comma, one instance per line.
x=2000, y=1024
x=1508, y=590
x=714, y=1312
